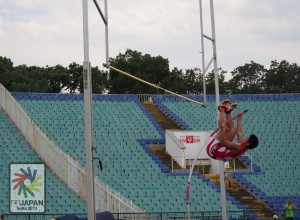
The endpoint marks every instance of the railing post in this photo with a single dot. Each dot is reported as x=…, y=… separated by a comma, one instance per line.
x=233, y=165
x=119, y=203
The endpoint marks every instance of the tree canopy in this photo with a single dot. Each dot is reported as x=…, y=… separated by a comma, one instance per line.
x=250, y=78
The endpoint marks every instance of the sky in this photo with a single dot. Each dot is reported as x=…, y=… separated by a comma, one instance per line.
x=40, y=32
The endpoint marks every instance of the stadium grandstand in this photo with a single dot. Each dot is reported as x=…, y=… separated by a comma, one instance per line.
x=139, y=179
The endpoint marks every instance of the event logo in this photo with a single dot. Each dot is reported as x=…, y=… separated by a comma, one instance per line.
x=189, y=139
x=27, y=182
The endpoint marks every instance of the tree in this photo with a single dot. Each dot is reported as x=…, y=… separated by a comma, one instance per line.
x=58, y=79
x=193, y=79
x=151, y=69
x=283, y=78
x=247, y=79
x=252, y=78
x=175, y=82
x=5, y=65
x=99, y=81
x=294, y=78
x=75, y=73
x=27, y=79
x=210, y=82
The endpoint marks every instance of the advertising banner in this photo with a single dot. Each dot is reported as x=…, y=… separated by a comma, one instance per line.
x=27, y=188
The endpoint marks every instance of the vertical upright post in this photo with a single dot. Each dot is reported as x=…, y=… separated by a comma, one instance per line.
x=202, y=52
x=221, y=163
x=106, y=33
x=214, y=60
x=87, y=84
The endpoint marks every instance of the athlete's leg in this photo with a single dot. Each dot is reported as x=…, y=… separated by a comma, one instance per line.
x=221, y=120
x=222, y=116
x=230, y=134
x=222, y=109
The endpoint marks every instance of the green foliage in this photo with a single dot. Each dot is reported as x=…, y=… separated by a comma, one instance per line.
x=58, y=79
x=210, y=82
x=25, y=79
x=99, y=81
x=75, y=78
x=247, y=79
x=5, y=64
x=151, y=69
x=283, y=78
x=251, y=78
x=193, y=81
x=174, y=82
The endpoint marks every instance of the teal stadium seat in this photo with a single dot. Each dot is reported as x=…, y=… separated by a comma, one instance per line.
x=120, y=122
x=14, y=149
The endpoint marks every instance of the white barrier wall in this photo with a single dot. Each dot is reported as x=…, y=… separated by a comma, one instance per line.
x=175, y=148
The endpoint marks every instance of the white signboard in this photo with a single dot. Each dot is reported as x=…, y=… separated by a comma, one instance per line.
x=27, y=188
x=193, y=141
x=184, y=146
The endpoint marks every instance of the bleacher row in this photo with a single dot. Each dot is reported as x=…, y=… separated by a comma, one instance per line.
x=236, y=97
x=168, y=98
x=123, y=127
x=71, y=97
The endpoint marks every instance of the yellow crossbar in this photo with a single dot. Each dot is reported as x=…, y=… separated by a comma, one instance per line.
x=155, y=86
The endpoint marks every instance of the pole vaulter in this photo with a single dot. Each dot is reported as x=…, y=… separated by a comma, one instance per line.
x=187, y=198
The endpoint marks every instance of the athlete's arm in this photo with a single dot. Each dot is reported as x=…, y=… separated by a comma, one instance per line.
x=239, y=129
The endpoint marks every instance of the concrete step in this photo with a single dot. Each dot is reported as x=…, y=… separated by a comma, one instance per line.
x=166, y=158
x=246, y=198
x=163, y=120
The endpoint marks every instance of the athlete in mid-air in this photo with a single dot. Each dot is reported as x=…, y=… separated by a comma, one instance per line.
x=222, y=146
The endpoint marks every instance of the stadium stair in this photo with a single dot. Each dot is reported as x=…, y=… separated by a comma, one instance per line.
x=251, y=202
x=163, y=155
x=166, y=123
x=163, y=120
x=237, y=165
x=160, y=150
